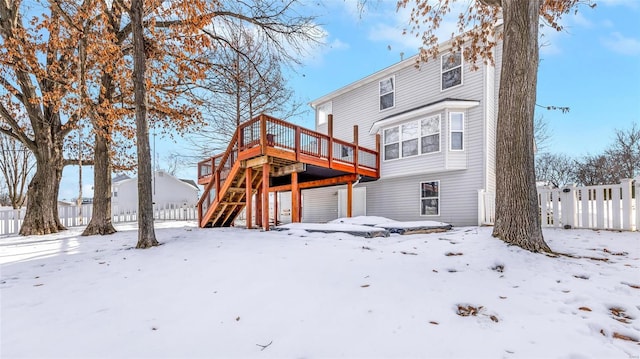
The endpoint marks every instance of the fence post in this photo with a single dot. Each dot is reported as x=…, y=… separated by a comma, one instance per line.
x=480, y=207
x=637, y=194
x=568, y=206
x=627, y=201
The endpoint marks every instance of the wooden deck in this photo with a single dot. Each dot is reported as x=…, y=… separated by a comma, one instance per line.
x=270, y=155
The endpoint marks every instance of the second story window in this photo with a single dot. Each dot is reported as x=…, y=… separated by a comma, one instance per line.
x=387, y=93
x=451, y=70
x=430, y=134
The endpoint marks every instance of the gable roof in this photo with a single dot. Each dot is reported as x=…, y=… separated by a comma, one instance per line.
x=120, y=177
x=190, y=182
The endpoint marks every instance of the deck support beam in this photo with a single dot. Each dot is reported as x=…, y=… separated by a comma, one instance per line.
x=265, y=196
x=349, y=199
x=248, y=194
x=295, y=198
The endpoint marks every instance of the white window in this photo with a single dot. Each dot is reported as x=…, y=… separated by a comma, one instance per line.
x=387, y=93
x=430, y=198
x=430, y=134
x=323, y=112
x=451, y=70
x=410, y=134
x=391, y=143
x=412, y=138
x=456, y=131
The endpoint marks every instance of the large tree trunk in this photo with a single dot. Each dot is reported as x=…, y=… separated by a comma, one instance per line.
x=101, y=219
x=517, y=218
x=41, y=216
x=146, y=233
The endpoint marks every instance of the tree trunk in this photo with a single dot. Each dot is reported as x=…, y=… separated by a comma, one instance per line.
x=517, y=218
x=41, y=216
x=146, y=233
x=101, y=218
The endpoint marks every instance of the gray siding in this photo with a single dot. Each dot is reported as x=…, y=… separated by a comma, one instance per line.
x=320, y=205
x=461, y=173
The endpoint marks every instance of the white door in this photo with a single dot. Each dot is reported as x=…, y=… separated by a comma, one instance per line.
x=359, y=202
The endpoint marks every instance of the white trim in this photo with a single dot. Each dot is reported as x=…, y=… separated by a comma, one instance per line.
x=457, y=131
x=409, y=62
x=461, y=66
x=419, y=137
x=440, y=106
x=393, y=92
x=421, y=198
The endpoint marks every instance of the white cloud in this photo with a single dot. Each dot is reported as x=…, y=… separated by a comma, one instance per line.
x=620, y=44
x=391, y=24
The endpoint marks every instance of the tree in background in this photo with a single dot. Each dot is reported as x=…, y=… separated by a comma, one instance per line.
x=556, y=170
x=16, y=165
x=625, y=152
x=245, y=79
x=517, y=220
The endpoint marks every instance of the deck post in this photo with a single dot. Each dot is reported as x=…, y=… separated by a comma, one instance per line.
x=355, y=150
x=258, y=201
x=295, y=198
x=248, y=194
x=263, y=134
x=330, y=133
x=275, y=208
x=265, y=196
x=349, y=199
x=297, y=143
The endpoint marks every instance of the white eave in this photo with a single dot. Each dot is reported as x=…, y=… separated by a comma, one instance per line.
x=436, y=107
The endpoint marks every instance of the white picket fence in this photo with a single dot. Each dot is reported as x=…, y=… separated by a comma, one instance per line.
x=612, y=207
x=70, y=216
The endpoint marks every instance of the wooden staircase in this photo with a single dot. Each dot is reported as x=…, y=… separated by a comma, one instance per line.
x=270, y=155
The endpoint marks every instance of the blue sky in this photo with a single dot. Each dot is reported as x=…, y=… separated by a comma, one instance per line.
x=593, y=66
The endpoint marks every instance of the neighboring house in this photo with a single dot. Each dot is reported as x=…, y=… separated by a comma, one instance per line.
x=437, y=140
x=166, y=190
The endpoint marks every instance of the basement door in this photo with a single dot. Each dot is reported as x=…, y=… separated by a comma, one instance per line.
x=359, y=202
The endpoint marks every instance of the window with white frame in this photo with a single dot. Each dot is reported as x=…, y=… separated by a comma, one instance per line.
x=430, y=198
x=410, y=134
x=387, y=93
x=391, y=143
x=456, y=131
x=412, y=138
x=451, y=70
x=430, y=134
x=324, y=110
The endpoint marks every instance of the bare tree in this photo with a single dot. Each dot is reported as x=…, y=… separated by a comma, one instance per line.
x=625, y=152
x=556, y=170
x=541, y=133
x=16, y=164
x=245, y=80
x=594, y=170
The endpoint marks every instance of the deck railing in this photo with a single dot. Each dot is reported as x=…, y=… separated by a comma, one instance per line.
x=263, y=132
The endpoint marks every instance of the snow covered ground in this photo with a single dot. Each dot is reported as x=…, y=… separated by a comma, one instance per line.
x=244, y=293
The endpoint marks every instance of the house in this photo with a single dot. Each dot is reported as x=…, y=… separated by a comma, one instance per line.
x=166, y=190
x=436, y=124
x=408, y=142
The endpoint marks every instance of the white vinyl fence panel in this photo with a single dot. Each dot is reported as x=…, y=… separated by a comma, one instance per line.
x=612, y=207
x=73, y=216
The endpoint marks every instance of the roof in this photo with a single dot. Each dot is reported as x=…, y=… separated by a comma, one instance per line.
x=410, y=61
x=422, y=110
x=120, y=177
x=189, y=181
